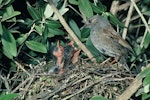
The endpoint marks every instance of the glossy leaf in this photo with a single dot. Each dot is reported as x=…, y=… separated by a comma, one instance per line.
x=98, y=98
x=91, y=47
x=56, y=31
x=85, y=32
x=62, y=11
x=75, y=28
x=146, y=81
x=145, y=96
x=53, y=24
x=74, y=2
x=98, y=9
x=36, y=46
x=48, y=11
x=86, y=8
x=146, y=40
x=9, y=44
x=139, y=92
x=144, y=73
x=33, y=12
x=5, y=2
x=50, y=35
x=115, y=20
x=39, y=29
x=1, y=29
x=45, y=35
x=1, y=2
x=6, y=52
x=22, y=39
x=9, y=13
x=147, y=13
x=137, y=49
x=146, y=88
x=9, y=96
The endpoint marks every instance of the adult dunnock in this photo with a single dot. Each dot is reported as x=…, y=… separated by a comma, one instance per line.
x=107, y=40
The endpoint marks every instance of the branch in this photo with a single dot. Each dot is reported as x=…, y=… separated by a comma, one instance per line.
x=70, y=32
x=127, y=21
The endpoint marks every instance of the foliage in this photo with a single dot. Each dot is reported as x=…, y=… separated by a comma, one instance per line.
x=33, y=36
x=145, y=90
x=8, y=96
x=98, y=98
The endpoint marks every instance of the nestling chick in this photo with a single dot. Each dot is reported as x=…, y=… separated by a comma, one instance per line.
x=65, y=55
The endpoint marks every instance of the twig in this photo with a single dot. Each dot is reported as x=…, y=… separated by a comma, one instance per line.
x=6, y=83
x=27, y=86
x=85, y=88
x=127, y=21
x=21, y=67
x=144, y=21
x=114, y=7
x=125, y=5
x=105, y=61
x=31, y=30
x=132, y=88
x=71, y=33
x=22, y=84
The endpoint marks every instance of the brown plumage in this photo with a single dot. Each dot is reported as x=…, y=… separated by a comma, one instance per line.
x=107, y=40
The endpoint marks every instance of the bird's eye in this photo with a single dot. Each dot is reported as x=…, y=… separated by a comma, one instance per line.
x=94, y=21
x=90, y=21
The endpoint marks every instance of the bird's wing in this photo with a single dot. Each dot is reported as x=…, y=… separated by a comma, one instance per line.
x=113, y=34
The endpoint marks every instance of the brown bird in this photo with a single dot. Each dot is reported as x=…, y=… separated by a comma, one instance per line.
x=107, y=40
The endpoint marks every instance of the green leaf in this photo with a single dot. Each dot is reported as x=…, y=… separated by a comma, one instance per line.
x=91, y=47
x=137, y=49
x=33, y=12
x=145, y=96
x=1, y=2
x=6, y=2
x=75, y=28
x=62, y=11
x=147, y=13
x=74, y=2
x=98, y=98
x=146, y=88
x=53, y=24
x=144, y=73
x=9, y=96
x=41, y=8
x=39, y=29
x=9, y=13
x=36, y=46
x=115, y=20
x=48, y=11
x=9, y=44
x=56, y=31
x=86, y=8
x=85, y=32
x=146, y=40
x=1, y=29
x=139, y=92
x=50, y=35
x=146, y=81
x=98, y=9
x=45, y=35
x=22, y=38
x=6, y=52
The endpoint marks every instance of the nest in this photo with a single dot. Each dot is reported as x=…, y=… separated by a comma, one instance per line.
x=80, y=81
